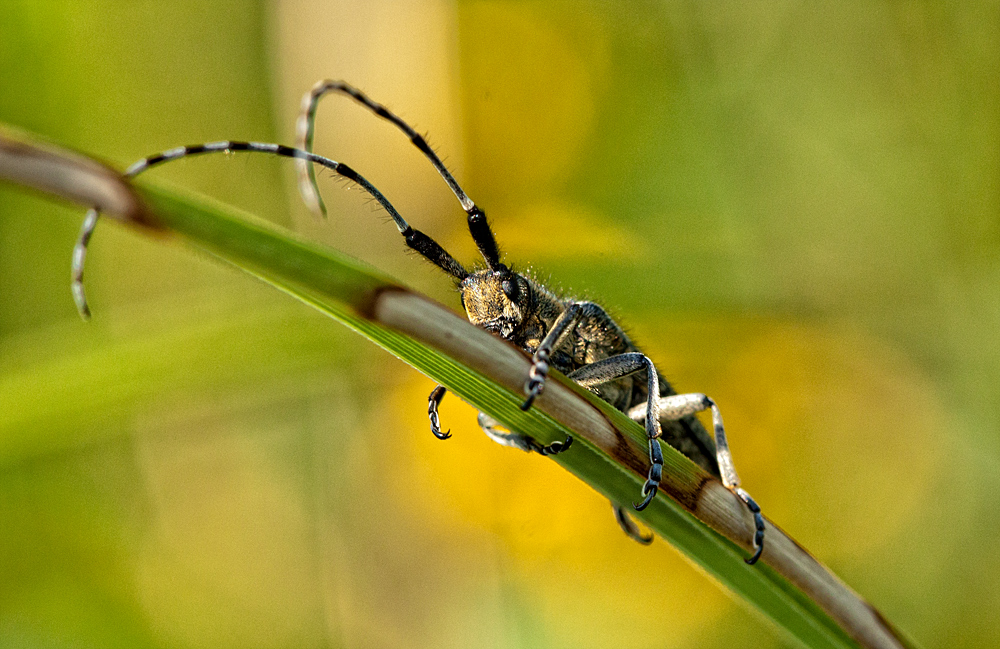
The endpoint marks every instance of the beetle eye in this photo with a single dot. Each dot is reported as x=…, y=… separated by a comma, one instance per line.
x=510, y=288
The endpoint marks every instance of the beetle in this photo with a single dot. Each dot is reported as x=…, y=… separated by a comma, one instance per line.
x=576, y=337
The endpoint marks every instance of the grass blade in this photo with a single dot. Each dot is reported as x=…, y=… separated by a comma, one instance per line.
x=694, y=512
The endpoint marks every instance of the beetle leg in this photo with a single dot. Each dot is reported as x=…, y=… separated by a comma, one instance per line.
x=676, y=407
x=501, y=435
x=433, y=401
x=629, y=527
x=620, y=366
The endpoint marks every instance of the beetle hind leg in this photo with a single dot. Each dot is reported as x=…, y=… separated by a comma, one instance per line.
x=678, y=406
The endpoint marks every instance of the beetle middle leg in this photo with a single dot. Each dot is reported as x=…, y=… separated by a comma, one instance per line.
x=505, y=437
x=678, y=406
x=629, y=527
x=492, y=428
x=618, y=367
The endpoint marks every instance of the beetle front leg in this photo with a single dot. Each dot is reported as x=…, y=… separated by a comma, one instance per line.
x=572, y=316
x=540, y=359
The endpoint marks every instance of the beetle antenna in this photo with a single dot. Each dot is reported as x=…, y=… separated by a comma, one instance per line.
x=415, y=239
x=305, y=128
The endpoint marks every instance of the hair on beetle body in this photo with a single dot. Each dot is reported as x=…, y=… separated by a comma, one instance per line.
x=576, y=337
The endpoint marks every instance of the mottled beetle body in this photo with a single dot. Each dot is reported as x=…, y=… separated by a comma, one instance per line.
x=577, y=338
x=515, y=307
x=525, y=321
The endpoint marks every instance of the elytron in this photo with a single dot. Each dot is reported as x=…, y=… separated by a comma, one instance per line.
x=578, y=338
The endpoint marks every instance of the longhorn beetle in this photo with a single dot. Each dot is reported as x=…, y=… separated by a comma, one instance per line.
x=578, y=338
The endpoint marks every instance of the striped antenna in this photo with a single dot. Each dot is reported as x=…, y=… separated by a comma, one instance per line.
x=305, y=131
x=415, y=239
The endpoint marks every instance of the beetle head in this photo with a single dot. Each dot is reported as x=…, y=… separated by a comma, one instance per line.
x=497, y=300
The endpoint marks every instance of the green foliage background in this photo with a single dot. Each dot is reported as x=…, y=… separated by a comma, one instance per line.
x=795, y=209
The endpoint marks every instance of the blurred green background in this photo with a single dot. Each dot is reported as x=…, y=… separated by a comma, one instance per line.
x=794, y=207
